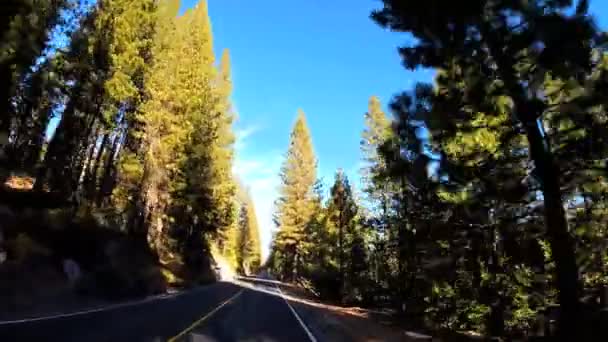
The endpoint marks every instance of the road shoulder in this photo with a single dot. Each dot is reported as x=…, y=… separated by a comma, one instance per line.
x=335, y=323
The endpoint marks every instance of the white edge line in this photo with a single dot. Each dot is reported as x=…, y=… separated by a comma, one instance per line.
x=84, y=312
x=310, y=335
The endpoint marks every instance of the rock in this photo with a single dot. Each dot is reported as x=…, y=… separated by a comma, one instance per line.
x=72, y=271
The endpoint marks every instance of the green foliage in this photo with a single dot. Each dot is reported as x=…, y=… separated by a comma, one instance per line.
x=377, y=131
x=513, y=114
x=145, y=125
x=349, y=251
x=24, y=35
x=241, y=242
x=296, y=202
x=485, y=193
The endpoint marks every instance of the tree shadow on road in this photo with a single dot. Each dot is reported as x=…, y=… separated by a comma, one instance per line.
x=335, y=323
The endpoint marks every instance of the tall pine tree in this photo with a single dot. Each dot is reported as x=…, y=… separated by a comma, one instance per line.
x=342, y=212
x=295, y=205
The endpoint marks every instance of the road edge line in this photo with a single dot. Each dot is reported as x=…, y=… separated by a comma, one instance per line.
x=295, y=313
x=202, y=319
x=84, y=312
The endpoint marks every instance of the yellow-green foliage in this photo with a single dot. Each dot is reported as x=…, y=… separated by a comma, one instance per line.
x=295, y=205
x=482, y=136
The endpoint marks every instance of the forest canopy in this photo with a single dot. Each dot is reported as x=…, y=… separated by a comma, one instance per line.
x=143, y=116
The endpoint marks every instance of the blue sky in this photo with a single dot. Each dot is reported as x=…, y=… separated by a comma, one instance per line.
x=326, y=57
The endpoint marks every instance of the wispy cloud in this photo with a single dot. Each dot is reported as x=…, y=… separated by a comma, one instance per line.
x=242, y=134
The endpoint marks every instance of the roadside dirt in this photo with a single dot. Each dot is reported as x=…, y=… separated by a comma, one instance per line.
x=336, y=323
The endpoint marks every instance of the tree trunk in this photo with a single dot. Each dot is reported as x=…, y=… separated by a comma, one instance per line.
x=89, y=162
x=31, y=155
x=291, y=263
x=529, y=114
x=60, y=154
x=402, y=242
x=107, y=184
x=90, y=181
x=562, y=246
x=341, y=254
x=83, y=153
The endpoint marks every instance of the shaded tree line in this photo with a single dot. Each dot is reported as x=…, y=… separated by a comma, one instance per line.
x=142, y=114
x=240, y=243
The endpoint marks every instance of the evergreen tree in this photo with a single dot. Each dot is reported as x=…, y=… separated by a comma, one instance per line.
x=221, y=151
x=24, y=34
x=107, y=59
x=376, y=133
x=39, y=96
x=342, y=214
x=295, y=205
x=241, y=242
x=248, y=247
x=145, y=122
x=145, y=172
x=498, y=55
x=254, y=250
x=485, y=195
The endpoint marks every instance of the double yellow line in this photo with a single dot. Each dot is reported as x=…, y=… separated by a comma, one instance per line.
x=202, y=319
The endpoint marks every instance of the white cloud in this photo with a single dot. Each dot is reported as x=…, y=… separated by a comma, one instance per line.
x=242, y=134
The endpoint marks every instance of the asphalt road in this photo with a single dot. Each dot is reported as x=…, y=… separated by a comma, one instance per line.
x=220, y=312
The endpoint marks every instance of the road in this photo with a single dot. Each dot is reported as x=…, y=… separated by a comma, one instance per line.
x=219, y=312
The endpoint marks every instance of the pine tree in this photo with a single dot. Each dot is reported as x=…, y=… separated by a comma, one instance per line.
x=145, y=129
x=248, y=241
x=342, y=213
x=108, y=58
x=144, y=172
x=254, y=247
x=486, y=189
x=204, y=188
x=222, y=152
x=319, y=263
x=62, y=150
x=377, y=188
x=498, y=58
x=39, y=96
x=241, y=242
x=24, y=34
x=132, y=26
x=294, y=207
x=377, y=131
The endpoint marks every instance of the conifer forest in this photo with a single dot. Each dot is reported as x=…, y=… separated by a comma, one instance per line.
x=481, y=204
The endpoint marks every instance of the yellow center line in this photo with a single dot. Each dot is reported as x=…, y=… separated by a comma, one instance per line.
x=202, y=319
